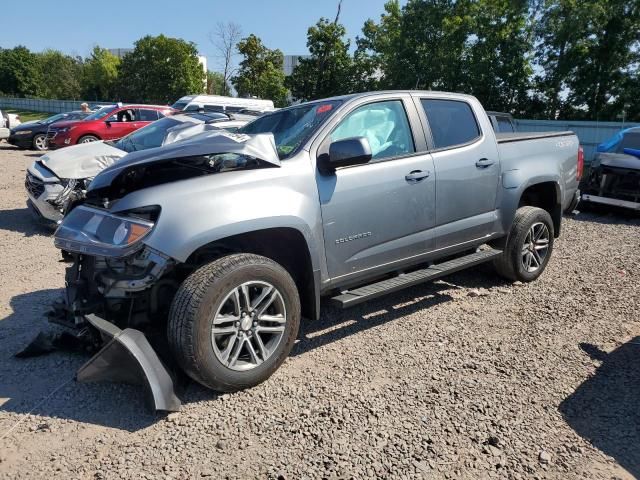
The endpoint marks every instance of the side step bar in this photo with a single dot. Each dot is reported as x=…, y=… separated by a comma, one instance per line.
x=349, y=298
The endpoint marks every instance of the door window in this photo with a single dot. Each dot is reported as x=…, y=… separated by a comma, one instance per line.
x=505, y=125
x=147, y=115
x=123, y=116
x=452, y=122
x=384, y=124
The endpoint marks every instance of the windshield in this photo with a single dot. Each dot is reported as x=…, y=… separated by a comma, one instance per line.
x=179, y=105
x=54, y=118
x=292, y=127
x=151, y=136
x=98, y=114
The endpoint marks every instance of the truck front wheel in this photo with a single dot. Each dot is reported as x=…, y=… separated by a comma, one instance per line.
x=234, y=321
x=527, y=249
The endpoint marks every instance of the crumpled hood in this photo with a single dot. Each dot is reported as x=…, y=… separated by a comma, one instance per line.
x=187, y=130
x=260, y=146
x=616, y=160
x=85, y=160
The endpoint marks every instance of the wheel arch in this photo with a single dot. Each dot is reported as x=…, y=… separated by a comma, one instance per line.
x=88, y=134
x=546, y=195
x=286, y=246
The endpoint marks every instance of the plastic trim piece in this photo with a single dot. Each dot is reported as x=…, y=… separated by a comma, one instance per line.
x=129, y=358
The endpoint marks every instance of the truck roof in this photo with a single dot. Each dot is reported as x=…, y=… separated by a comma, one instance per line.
x=352, y=96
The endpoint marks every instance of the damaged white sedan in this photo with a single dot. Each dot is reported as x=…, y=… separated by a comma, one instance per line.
x=62, y=176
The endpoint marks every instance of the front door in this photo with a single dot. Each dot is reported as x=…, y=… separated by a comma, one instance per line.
x=121, y=123
x=378, y=214
x=467, y=170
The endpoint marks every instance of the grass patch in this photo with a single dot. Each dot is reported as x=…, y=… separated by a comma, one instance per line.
x=27, y=115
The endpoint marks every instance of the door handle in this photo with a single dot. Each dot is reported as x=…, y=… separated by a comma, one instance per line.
x=416, y=176
x=484, y=163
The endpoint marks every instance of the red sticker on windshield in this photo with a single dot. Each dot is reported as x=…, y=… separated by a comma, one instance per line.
x=324, y=108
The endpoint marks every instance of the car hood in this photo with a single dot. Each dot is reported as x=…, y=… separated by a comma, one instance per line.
x=64, y=123
x=27, y=125
x=85, y=160
x=616, y=160
x=260, y=146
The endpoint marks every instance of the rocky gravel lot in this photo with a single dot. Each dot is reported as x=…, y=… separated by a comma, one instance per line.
x=466, y=378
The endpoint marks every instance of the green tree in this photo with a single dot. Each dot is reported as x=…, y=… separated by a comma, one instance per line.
x=100, y=75
x=330, y=69
x=377, y=48
x=216, y=84
x=607, y=52
x=19, y=72
x=160, y=70
x=498, y=54
x=60, y=75
x=588, y=53
x=260, y=74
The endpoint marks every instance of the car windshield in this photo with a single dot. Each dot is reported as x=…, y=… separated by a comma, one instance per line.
x=98, y=114
x=54, y=118
x=179, y=105
x=292, y=127
x=151, y=136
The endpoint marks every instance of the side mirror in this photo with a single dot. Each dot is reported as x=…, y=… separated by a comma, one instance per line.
x=346, y=152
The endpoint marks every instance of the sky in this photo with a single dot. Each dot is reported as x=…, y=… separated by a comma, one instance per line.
x=75, y=26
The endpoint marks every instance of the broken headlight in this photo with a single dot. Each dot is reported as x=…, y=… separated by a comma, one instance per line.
x=100, y=233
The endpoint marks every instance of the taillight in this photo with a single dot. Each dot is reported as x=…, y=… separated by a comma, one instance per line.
x=580, y=167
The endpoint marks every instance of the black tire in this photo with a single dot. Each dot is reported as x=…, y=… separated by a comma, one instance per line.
x=510, y=264
x=197, y=302
x=39, y=142
x=87, y=139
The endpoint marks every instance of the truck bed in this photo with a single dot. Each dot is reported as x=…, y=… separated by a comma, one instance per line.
x=522, y=136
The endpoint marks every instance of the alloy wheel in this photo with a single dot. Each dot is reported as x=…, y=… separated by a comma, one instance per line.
x=248, y=325
x=535, y=247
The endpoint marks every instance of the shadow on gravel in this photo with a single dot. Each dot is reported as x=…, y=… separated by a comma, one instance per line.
x=336, y=324
x=25, y=383
x=604, y=409
x=21, y=220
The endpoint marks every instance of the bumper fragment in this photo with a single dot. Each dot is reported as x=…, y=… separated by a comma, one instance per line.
x=611, y=201
x=129, y=358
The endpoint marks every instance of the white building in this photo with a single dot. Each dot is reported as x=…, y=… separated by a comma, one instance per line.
x=291, y=62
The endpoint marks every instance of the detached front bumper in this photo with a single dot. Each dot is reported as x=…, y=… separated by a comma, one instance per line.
x=128, y=357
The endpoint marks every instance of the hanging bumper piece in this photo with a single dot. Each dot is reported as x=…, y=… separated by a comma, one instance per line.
x=128, y=357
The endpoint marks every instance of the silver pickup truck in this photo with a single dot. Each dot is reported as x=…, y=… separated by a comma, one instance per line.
x=219, y=247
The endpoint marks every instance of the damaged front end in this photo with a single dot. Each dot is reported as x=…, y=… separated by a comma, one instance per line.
x=614, y=179
x=119, y=288
x=116, y=298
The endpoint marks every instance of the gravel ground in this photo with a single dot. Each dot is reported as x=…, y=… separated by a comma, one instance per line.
x=464, y=378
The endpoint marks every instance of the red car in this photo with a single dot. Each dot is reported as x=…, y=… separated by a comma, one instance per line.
x=108, y=123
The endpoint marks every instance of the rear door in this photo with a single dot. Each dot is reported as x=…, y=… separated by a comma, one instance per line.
x=377, y=215
x=467, y=169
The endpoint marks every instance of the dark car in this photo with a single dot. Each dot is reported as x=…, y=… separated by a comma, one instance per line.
x=34, y=134
x=614, y=176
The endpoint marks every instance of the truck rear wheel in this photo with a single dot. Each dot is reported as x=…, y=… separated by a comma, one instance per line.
x=234, y=321
x=527, y=249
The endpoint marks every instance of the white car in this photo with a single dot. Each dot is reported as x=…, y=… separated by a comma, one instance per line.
x=61, y=176
x=8, y=121
x=219, y=103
